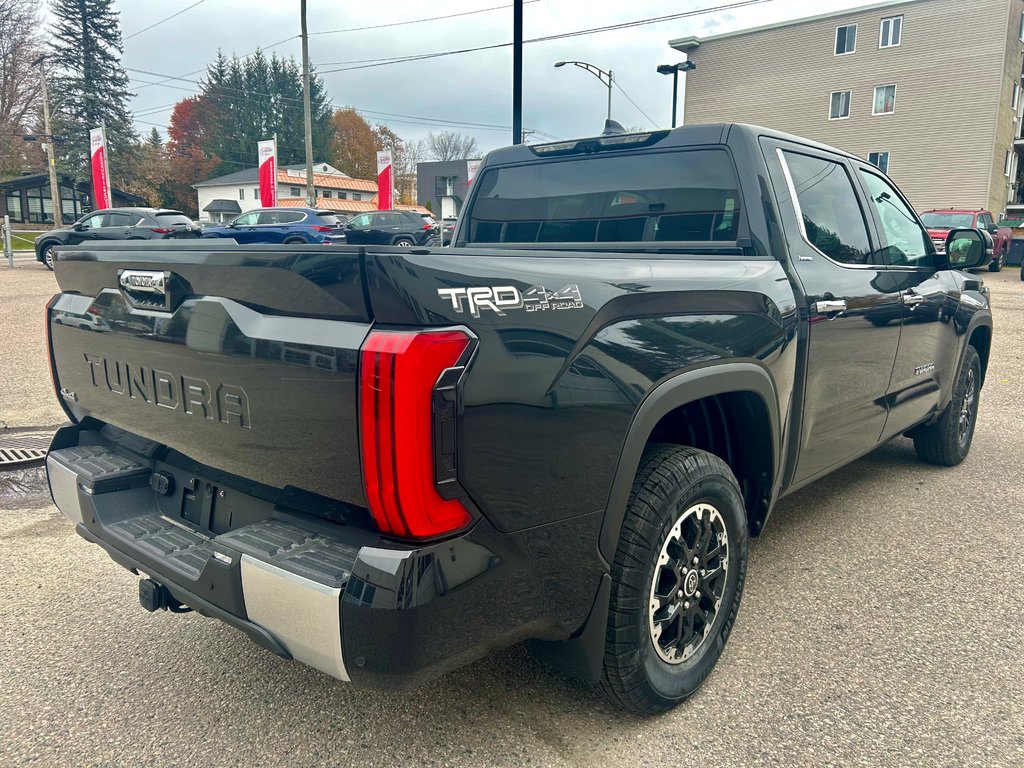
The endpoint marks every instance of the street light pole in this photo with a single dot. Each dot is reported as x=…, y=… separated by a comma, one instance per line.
x=674, y=70
x=307, y=111
x=597, y=72
x=51, y=164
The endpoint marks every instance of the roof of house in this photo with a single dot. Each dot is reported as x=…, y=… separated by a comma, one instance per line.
x=39, y=179
x=692, y=42
x=348, y=206
x=223, y=206
x=252, y=175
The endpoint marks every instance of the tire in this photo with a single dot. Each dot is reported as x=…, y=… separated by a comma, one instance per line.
x=47, y=259
x=948, y=441
x=294, y=241
x=997, y=262
x=679, y=494
x=403, y=242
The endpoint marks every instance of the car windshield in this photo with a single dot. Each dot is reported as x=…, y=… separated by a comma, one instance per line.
x=328, y=218
x=683, y=196
x=948, y=220
x=173, y=219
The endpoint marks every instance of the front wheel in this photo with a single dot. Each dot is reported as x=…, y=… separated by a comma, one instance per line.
x=677, y=579
x=997, y=262
x=47, y=254
x=948, y=441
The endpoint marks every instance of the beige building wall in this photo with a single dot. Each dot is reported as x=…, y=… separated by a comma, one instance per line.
x=1006, y=119
x=952, y=70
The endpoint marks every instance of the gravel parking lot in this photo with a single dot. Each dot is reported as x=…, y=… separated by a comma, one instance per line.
x=882, y=625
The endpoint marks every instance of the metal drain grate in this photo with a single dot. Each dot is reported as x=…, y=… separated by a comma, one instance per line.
x=23, y=450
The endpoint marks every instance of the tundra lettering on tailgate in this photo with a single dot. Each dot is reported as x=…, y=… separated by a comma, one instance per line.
x=191, y=395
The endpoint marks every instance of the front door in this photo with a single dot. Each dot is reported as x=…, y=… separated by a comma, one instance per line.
x=243, y=228
x=929, y=297
x=87, y=229
x=357, y=231
x=851, y=305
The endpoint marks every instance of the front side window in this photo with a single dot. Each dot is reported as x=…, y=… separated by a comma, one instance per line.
x=94, y=221
x=360, y=222
x=891, y=32
x=682, y=196
x=846, y=39
x=840, y=106
x=247, y=219
x=880, y=160
x=885, y=100
x=907, y=240
x=831, y=216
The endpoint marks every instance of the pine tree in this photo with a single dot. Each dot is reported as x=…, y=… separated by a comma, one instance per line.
x=154, y=140
x=90, y=86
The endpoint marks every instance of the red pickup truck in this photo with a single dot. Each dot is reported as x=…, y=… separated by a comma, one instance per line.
x=940, y=220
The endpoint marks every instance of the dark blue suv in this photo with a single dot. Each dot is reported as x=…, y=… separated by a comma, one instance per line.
x=283, y=225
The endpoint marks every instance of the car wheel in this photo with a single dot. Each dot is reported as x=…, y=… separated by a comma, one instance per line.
x=677, y=578
x=403, y=242
x=294, y=241
x=948, y=441
x=47, y=255
x=997, y=262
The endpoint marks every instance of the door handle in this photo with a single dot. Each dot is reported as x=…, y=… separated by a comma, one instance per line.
x=828, y=306
x=912, y=300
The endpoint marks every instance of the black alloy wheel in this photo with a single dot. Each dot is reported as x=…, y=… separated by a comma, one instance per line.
x=948, y=441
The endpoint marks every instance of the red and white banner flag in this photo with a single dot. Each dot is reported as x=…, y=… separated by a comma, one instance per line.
x=472, y=166
x=268, y=173
x=385, y=182
x=100, y=174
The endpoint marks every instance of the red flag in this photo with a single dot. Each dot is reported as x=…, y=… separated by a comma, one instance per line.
x=100, y=175
x=268, y=173
x=385, y=187
x=472, y=166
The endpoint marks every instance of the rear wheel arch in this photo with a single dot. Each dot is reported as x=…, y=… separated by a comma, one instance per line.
x=727, y=409
x=294, y=240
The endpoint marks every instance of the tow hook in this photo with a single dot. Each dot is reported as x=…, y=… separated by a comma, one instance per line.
x=154, y=596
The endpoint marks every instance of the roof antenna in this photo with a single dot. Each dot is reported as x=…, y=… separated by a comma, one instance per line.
x=612, y=128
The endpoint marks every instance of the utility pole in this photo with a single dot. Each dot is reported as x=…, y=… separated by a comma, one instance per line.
x=517, y=72
x=307, y=111
x=51, y=164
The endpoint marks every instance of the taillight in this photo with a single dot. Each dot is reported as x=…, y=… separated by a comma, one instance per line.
x=162, y=230
x=428, y=226
x=405, y=441
x=322, y=228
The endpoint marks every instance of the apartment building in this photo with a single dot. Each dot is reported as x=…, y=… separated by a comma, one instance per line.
x=928, y=90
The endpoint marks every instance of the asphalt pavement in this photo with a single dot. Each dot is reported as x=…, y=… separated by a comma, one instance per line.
x=881, y=625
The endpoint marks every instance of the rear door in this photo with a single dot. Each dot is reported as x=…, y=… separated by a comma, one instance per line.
x=118, y=225
x=928, y=298
x=852, y=305
x=386, y=227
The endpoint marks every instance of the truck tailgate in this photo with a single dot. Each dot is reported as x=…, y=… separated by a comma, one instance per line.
x=243, y=360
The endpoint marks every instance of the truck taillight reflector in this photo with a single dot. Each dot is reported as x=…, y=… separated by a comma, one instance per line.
x=399, y=371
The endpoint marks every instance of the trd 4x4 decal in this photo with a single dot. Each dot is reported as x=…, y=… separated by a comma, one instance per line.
x=498, y=298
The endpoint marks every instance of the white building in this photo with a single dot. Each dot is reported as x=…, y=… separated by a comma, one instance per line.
x=224, y=197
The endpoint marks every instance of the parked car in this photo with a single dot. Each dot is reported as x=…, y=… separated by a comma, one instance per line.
x=402, y=228
x=447, y=230
x=940, y=221
x=401, y=464
x=282, y=225
x=118, y=224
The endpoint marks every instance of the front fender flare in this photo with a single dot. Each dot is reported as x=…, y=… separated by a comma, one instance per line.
x=717, y=378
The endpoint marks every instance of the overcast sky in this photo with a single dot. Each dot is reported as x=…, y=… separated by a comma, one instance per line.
x=472, y=87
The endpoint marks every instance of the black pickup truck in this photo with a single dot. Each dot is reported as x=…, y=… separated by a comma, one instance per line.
x=386, y=463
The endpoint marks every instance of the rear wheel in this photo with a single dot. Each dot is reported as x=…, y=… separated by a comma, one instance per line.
x=403, y=242
x=294, y=240
x=948, y=441
x=677, y=579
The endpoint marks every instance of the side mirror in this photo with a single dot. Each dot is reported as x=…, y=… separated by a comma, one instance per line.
x=967, y=248
x=77, y=226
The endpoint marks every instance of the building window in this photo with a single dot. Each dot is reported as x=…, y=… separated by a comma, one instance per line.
x=1015, y=98
x=343, y=195
x=885, y=100
x=241, y=194
x=1020, y=34
x=14, y=207
x=846, y=39
x=880, y=160
x=891, y=32
x=327, y=193
x=1007, y=162
x=839, y=108
x=356, y=196
x=295, y=192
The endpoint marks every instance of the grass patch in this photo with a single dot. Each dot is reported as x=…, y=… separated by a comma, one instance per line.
x=24, y=241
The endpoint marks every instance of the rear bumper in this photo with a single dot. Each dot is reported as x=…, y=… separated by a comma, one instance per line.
x=335, y=597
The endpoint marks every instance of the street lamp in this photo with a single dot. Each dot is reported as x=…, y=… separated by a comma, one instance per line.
x=674, y=70
x=597, y=72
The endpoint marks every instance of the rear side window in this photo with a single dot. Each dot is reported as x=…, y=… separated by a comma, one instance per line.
x=173, y=219
x=686, y=196
x=831, y=216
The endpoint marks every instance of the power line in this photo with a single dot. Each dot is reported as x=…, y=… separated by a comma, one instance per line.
x=629, y=98
x=548, y=38
x=157, y=24
x=419, y=21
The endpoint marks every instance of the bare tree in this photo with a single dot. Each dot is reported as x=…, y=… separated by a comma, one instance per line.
x=451, y=145
x=20, y=105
